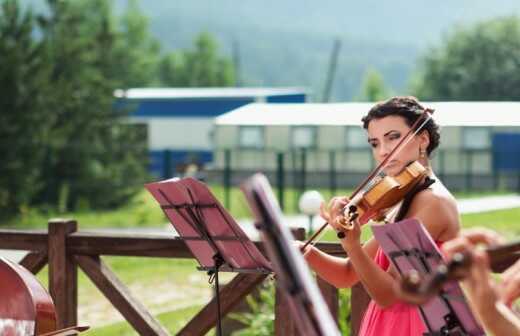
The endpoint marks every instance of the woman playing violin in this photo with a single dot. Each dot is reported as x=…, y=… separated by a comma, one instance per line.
x=386, y=123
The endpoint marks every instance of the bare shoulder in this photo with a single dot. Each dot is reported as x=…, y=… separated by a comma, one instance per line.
x=437, y=209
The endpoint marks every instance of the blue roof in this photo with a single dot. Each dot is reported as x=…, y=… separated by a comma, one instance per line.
x=199, y=102
x=197, y=93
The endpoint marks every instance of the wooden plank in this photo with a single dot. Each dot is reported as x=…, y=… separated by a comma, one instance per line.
x=334, y=249
x=63, y=273
x=34, y=261
x=120, y=297
x=138, y=245
x=359, y=300
x=141, y=245
x=330, y=296
x=283, y=322
x=230, y=296
x=23, y=240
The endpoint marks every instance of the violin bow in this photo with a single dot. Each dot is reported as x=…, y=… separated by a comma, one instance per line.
x=426, y=115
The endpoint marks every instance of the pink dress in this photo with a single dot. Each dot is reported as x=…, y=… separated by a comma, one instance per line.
x=399, y=319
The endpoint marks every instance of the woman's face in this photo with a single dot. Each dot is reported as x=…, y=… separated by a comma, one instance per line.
x=385, y=133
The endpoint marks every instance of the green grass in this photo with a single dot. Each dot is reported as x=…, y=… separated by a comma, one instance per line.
x=143, y=211
x=172, y=321
x=506, y=222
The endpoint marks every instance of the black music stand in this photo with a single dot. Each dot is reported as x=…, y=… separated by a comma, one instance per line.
x=212, y=235
x=410, y=247
x=306, y=305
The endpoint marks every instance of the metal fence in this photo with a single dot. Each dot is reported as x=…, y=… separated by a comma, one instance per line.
x=299, y=170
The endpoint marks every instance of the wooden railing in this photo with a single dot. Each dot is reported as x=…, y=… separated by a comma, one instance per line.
x=64, y=248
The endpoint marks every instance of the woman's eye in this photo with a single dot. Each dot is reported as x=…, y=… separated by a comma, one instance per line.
x=394, y=136
x=373, y=145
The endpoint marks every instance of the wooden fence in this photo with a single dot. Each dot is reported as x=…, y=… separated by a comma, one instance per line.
x=64, y=248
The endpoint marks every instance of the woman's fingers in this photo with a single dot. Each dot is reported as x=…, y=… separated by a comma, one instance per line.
x=511, y=284
x=460, y=244
x=511, y=290
x=479, y=272
x=324, y=212
x=334, y=209
x=483, y=236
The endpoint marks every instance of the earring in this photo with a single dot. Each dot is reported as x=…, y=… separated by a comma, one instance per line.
x=422, y=153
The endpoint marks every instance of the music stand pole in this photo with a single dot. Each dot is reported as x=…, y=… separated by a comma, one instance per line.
x=219, y=261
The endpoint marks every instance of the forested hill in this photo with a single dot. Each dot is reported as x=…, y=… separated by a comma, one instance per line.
x=289, y=42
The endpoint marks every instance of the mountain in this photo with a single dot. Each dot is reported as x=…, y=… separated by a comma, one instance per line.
x=289, y=42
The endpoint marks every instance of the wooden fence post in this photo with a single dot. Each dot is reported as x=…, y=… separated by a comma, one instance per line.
x=63, y=272
x=359, y=301
x=330, y=296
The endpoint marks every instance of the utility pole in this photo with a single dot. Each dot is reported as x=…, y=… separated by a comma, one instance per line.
x=332, y=70
x=235, y=49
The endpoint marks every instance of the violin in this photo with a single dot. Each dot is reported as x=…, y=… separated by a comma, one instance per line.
x=379, y=192
x=419, y=289
x=382, y=193
x=26, y=308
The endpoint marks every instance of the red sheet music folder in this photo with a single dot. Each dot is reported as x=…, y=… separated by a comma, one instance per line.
x=206, y=226
x=409, y=246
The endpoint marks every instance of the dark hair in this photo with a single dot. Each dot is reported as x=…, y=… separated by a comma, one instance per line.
x=409, y=108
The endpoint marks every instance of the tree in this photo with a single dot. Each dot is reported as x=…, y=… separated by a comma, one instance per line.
x=136, y=52
x=64, y=142
x=24, y=119
x=92, y=157
x=202, y=66
x=373, y=88
x=481, y=62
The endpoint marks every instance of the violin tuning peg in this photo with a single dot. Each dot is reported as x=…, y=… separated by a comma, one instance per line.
x=411, y=282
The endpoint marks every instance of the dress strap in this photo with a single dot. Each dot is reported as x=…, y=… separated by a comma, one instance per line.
x=407, y=201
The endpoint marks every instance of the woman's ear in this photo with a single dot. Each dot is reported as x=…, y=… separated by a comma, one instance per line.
x=424, y=139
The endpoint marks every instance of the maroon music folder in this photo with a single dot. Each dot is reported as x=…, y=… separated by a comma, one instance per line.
x=207, y=228
x=306, y=305
x=409, y=246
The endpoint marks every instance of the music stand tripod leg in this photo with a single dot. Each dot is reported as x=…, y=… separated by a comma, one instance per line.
x=213, y=274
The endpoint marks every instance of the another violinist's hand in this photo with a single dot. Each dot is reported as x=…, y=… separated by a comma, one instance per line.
x=511, y=284
x=482, y=290
x=469, y=239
